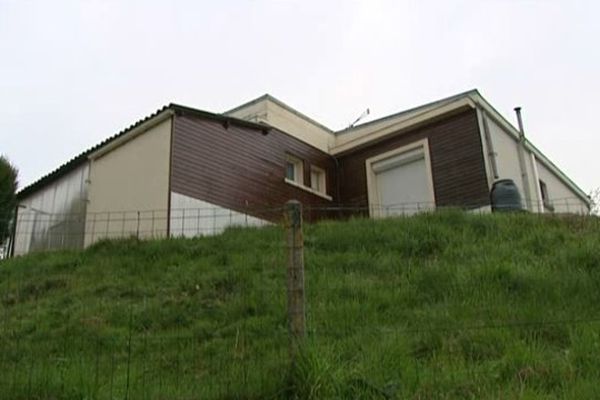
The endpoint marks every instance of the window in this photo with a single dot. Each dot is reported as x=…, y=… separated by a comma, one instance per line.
x=318, y=180
x=545, y=198
x=293, y=169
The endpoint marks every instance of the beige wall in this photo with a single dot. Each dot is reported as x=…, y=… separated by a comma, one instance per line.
x=129, y=187
x=299, y=127
x=271, y=112
x=255, y=112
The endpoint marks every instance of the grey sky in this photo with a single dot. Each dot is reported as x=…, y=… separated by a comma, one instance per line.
x=75, y=72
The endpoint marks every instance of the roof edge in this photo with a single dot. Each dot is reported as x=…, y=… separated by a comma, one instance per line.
x=408, y=111
x=281, y=104
x=537, y=152
x=81, y=158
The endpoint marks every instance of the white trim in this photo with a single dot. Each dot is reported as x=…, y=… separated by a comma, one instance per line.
x=308, y=189
x=372, y=190
x=132, y=134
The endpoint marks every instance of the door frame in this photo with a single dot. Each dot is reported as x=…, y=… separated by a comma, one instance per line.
x=373, y=192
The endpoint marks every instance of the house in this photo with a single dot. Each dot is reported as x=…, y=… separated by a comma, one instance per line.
x=182, y=171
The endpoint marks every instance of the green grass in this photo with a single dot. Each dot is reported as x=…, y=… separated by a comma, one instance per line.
x=439, y=306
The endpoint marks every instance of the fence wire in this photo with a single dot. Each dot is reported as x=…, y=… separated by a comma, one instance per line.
x=39, y=230
x=164, y=348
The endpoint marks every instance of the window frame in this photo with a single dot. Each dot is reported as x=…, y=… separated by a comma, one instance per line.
x=298, y=165
x=321, y=181
x=545, y=196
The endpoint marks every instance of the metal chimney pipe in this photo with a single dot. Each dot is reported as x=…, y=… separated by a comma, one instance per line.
x=520, y=121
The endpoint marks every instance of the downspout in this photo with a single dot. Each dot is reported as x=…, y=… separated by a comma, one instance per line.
x=538, y=189
x=521, y=152
x=490, y=144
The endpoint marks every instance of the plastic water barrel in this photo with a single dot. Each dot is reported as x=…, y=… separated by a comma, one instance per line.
x=505, y=196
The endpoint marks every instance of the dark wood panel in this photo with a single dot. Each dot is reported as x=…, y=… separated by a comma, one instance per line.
x=242, y=168
x=457, y=162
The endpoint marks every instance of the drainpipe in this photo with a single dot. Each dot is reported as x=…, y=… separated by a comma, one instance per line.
x=522, y=163
x=490, y=144
x=536, y=180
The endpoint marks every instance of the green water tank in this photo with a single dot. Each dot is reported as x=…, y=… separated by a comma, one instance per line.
x=505, y=196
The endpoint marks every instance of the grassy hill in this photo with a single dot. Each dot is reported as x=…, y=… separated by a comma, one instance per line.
x=447, y=305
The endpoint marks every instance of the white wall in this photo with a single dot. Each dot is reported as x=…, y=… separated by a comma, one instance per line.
x=561, y=197
x=506, y=148
x=54, y=216
x=192, y=217
x=130, y=179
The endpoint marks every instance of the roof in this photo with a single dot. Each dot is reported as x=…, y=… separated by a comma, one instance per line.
x=81, y=158
x=471, y=95
x=268, y=97
x=405, y=113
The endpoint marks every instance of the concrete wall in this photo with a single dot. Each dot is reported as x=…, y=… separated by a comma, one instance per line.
x=54, y=216
x=129, y=187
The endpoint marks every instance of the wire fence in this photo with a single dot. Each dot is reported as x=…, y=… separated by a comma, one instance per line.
x=147, y=336
x=39, y=230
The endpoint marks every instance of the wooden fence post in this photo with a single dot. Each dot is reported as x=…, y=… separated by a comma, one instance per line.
x=295, y=275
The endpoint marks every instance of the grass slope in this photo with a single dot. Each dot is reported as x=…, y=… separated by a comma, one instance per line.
x=447, y=305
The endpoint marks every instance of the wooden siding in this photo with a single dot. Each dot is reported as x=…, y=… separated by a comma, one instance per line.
x=242, y=168
x=457, y=162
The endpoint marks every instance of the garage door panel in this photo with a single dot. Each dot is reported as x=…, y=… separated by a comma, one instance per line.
x=403, y=188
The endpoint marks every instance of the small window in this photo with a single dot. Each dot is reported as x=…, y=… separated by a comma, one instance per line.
x=293, y=169
x=318, y=180
x=545, y=197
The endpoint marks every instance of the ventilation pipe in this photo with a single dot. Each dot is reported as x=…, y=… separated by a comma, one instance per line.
x=522, y=152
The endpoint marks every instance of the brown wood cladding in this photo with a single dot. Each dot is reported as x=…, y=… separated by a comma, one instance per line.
x=242, y=168
x=457, y=162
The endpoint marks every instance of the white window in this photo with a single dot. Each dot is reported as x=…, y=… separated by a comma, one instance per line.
x=294, y=170
x=318, y=179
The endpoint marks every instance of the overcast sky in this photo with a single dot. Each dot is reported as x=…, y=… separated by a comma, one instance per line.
x=75, y=72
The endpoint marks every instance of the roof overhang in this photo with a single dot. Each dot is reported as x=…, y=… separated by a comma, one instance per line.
x=353, y=140
x=374, y=132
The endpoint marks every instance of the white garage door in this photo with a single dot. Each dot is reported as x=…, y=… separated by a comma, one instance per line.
x=402, y=183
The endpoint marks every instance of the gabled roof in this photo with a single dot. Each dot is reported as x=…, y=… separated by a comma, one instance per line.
x=83, y=157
